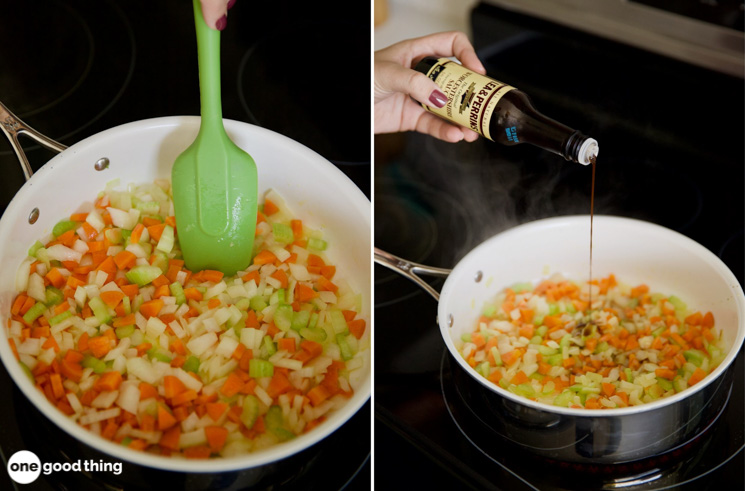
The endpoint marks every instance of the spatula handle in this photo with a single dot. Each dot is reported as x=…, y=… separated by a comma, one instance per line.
x=208, y=52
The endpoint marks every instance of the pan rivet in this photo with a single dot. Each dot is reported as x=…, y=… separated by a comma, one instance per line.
x=450, y=320
x=101, y=164
x=33, y=216
x=478, y=276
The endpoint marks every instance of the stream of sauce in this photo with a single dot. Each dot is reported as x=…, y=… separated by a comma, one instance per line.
x=593, y=161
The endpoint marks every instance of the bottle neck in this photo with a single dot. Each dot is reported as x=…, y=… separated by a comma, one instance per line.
x=518, y=121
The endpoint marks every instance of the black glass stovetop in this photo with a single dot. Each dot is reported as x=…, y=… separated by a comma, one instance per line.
x=73, y=68
x=671, y=152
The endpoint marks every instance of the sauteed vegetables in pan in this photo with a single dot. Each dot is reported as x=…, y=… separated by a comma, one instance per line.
x=121, y=337
x=631, y=348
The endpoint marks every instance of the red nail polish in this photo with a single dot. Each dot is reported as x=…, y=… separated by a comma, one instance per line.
x=221, y=23
x=230, y=4
x=438, y=98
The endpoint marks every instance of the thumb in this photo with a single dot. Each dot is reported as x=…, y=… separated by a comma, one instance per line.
x=391, y=78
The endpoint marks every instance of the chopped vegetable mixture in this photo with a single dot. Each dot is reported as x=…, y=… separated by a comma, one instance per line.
x=636, y=348
x=121, y=337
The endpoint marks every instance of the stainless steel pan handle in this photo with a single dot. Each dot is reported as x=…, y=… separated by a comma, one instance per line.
x=411, y=270
x=13, y=128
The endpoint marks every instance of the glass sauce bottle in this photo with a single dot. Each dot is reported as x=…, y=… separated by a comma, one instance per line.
x=500, y=112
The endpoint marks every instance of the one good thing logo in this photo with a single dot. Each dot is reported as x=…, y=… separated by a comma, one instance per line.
x=24, y=467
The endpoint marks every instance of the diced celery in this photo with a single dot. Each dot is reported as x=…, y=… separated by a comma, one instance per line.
x=125, y=235
x=629, y=375
x=178, y=292
x=346, y=350
x=313, y=322
x=281, y=295
x=554, y=360
x=160, y=354
x=317, y=244
x=27, y=371
x=338, y=322
x=258, y=303
x=659, y=331
x=300, y=320
x=126, y=441
x=570, y=307
x=665, y=384
x=149, y=207
x=124, y=331
x=679, y=384
x=191, y=364
x=466, y=337
x=100, y=310
x=258, y=368
x=60, y=317
x=64, y=226
x=603, y=346
x=113, y=235
x=54, y=296
x=489, y=311
x=564, y=343
x=34, y=312
x=142, y=275
x=314, y=334
x=564, y=399
x=694, y=356
x=497, y=357
x=166, y=241
x=282, y=233
x=541, y=331
x=525, y=390
x=483, y=368
x=522, y=287
x=283, y=317
x=243, y=304
x=654, y=391
x=536, y=340
x=34, y=248
x=268, y=347
x=250, y=412
x=553, y=308
x=546, y=350
x=89, y=361
x=538, y=321
x=273, y=417
x=678, y=304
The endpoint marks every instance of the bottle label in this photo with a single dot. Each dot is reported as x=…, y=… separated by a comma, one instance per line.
x=472, y=97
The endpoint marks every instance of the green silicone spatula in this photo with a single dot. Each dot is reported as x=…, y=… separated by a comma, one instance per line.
x=214, y=181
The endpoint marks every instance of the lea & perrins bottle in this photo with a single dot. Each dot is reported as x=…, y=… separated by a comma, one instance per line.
x=500, y=112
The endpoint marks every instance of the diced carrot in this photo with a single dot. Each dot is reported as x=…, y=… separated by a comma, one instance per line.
x=328, y=271
x=99, y=346
x=151, y=308
x=665, y=373
x=608, y=389
x=527, y=330
x=172, y=386
x=252, y=276
x=147, y=391
x=165, y=418
x=192, y=293
x=252, y=320
x=213, y=303
x=232, y=385
x=264, y=257
x=278, y=385
x=519, y=378
x=696, y=376
x=182, y=398
x=56, y=278
x=297, y=229
x=108, y=381
x=708, y=320
x=170, y=438
x=318, y=394
x=198, y=452
x=280, y=276
x=107, y=265
x=216, y=410
x=136, y=234
x=71, y=370
x=112, y=297
x=325, y=285
x=210, y=275
x=511, y=357
x=270, y=208
x=287, y=344
x=15, y=309
x=216, y=437
x=57, y=389
x=304, y=293
x=156, y=230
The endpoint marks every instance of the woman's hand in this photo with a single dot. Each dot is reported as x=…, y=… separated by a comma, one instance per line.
x=215, y=13
x=396, y=83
